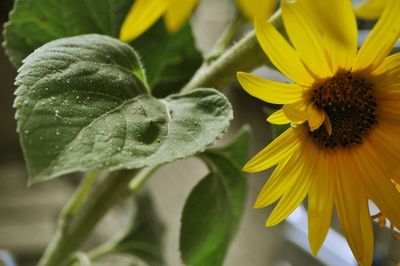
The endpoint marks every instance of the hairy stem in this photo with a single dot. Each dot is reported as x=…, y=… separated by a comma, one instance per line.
x=225, y=39
x=245, y=55
x=83, y=212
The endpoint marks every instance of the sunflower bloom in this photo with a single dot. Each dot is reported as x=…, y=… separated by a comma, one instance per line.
x=344, y=109
x=144, y=13
x=370, y=9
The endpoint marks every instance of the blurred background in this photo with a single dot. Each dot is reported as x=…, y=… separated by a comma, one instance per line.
x=28, y=215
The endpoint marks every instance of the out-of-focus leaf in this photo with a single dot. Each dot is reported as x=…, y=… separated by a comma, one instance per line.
x=140, y=243
x=143, y=238
x=212, y=212
x=238, y=150
x=170, y=60
x=277, y=130
x=35, y=22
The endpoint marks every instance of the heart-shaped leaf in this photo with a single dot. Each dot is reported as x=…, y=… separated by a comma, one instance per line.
x=82, y=104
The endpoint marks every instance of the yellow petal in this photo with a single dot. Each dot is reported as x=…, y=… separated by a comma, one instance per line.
x=349, y=196
x=397, y=186
x=306, y=38
x=281, y=54
x=315, y=117
x=279, y=181
x=381, y=39
x=256, y=8
x=178, y=13
x=320, y=202
x=328, y=125
x=391, y=65
x=278, y=118
x=278, y=150
x=295, y=113
x=379, y=187
x=361, y=160
x=336, y=21
x=367, y=233
x=370, y=9
x=386, y=144
x=270, y=91
x=142, y=15
x=296, y=193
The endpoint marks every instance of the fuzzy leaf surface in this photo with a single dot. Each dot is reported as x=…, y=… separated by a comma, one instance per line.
x=82, y=104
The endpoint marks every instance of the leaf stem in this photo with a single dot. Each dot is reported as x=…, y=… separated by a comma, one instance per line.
x=78, y=198
x=101, y=251
x=245, y=55
x=83, y=212
x=141, y=178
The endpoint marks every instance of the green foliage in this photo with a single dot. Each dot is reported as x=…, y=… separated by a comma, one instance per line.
x=82, y=104
x=212, y=212
x=140, y=243
x=238, y=150
x=143, y=239
x=170, y=60
x=35, y=22
x=277, y=130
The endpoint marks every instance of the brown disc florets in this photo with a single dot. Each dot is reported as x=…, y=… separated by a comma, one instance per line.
x=349, y=102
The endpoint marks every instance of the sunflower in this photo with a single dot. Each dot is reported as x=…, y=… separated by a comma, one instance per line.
x=370, y=9
x=343, y=144
x=144, y=13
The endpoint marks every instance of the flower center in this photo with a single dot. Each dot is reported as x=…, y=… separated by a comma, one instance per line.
x=349, y=102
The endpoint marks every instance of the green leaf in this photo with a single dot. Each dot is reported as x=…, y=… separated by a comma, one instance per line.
x=277, y=130
x=140, y=243
x=144, y=237
x=238, y=150
x=35, y=22
x=170, y=59
x=82, y=105
x=213, y=209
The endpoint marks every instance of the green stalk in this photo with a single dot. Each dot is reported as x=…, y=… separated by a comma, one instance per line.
x=225, y=39
x=83, y=212
x=245, y=55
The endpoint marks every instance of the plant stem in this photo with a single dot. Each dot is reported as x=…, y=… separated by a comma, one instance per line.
x=78, y=198
x=132, y=187
x=245, y=55
x=82, y=214
x=141, y=178
x=225, y=39
x=101, y=251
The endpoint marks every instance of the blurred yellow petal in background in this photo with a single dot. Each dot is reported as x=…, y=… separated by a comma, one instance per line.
x=256, y=8
x=332, y=17
x=178, y=13
x=370, y=9
x=144, y=13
